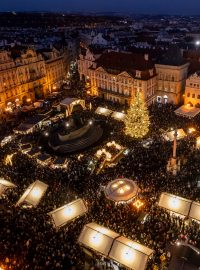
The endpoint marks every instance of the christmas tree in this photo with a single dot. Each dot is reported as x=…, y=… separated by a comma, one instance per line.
x=137, y=119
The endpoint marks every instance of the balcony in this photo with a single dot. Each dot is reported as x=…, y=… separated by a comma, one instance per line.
x=114, y=93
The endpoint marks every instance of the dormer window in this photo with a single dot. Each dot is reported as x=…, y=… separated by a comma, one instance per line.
x=138, y=74
x=151, y=72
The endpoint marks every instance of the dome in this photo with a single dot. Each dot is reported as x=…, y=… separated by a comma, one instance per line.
x=121, y=190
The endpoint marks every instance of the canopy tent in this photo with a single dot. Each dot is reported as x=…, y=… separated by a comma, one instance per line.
x=97, y=238
x=6, y=140
x=33, y=152
x=25, y=147
x=43, y=158
x=69, y=103
x=169, y=136
x=198, y=143
x=32, y=122
x=33, y=194
x=130, y=254
x=61, y=216
x=4, y=185
x=175, y=204
x=121, y=190
x=195, y=211
x=187, y=111
x=103, y=111
x=118, y=116
x=60, y=162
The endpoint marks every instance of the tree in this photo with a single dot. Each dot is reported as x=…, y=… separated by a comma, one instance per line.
x=137, y=119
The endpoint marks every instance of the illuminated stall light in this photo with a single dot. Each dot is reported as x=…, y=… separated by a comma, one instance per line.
x=175, y=204
x=61, y=216
x=103, y=111
x=118, y=116
x=4, y=185
x=121, y=190
x=198, y=143
x=97, y=238
x=195, y=211
x=33, y=194
x=169, y=136
x=130, y=254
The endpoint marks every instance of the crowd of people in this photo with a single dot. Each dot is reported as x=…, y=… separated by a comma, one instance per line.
x=28, y=239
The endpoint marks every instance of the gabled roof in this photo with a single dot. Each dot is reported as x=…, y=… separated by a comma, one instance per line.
x=118, y=62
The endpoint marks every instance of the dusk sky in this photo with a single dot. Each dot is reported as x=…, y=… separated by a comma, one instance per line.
x=135, y=6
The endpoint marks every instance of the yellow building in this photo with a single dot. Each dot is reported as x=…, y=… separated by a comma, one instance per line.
x=26, y=75
x=192, y=90
x=116, y=76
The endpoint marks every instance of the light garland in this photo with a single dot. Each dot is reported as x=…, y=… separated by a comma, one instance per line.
x=137, y=119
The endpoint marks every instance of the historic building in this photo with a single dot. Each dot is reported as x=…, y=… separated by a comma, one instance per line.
x=27, y=75
x=192, y=90
x=172, y=73
x=86, y=58
x=117, y=76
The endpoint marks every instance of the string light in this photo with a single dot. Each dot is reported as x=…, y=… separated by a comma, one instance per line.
x=137, y=119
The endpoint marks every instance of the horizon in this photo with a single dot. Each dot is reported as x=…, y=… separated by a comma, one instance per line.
x=143, y=7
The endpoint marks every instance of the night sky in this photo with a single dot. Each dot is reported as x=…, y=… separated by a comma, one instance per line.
x=135, y=6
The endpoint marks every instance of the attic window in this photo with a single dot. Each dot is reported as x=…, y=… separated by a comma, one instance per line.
x=151, y=72
x=138, y=74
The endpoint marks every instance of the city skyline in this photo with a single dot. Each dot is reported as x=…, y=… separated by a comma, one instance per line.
x=129, y=6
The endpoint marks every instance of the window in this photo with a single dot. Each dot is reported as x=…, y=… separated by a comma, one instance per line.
x=138, y=73
x=188, y=94
x=193, y=95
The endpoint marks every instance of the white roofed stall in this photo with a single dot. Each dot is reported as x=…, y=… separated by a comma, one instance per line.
x=4, y=185
x=103, y=111
x=61, y=216
x=97, y=238
x=130, y=254
x=33, y=194
x=195, y=211
x=118, y=116
x=175, y=204
x=169, y=136
x=121, y=190
x=187, y=111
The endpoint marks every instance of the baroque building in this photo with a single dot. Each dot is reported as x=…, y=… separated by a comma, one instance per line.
x=27, y=75
x=117, y=76
x=192, y=90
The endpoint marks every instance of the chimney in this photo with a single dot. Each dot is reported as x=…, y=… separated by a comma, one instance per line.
x=146, y=57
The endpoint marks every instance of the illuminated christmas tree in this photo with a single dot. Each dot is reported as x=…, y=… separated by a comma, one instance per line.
x=137, y=119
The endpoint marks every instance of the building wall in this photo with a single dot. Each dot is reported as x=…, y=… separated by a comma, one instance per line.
x=121, y=88
x=192, y=91
x=171, y=83
x=27, y=78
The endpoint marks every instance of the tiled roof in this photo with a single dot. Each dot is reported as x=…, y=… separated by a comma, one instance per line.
x=117, y=62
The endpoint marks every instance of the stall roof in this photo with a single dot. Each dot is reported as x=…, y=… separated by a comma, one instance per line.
x=43, y=157
x=187, y=111
x=67, y=101
x=130, y=254
x=68, y=212
x=175, y=203
x=33, y=193
x=97, y=238
x=103, y=111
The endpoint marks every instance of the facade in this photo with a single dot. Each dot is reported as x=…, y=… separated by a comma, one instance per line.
x=117, y=76
x=86, y=58
x=172, y=73
x=192, y=90
x=27, y=75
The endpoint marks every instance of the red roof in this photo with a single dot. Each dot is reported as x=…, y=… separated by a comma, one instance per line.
x=117, y=62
